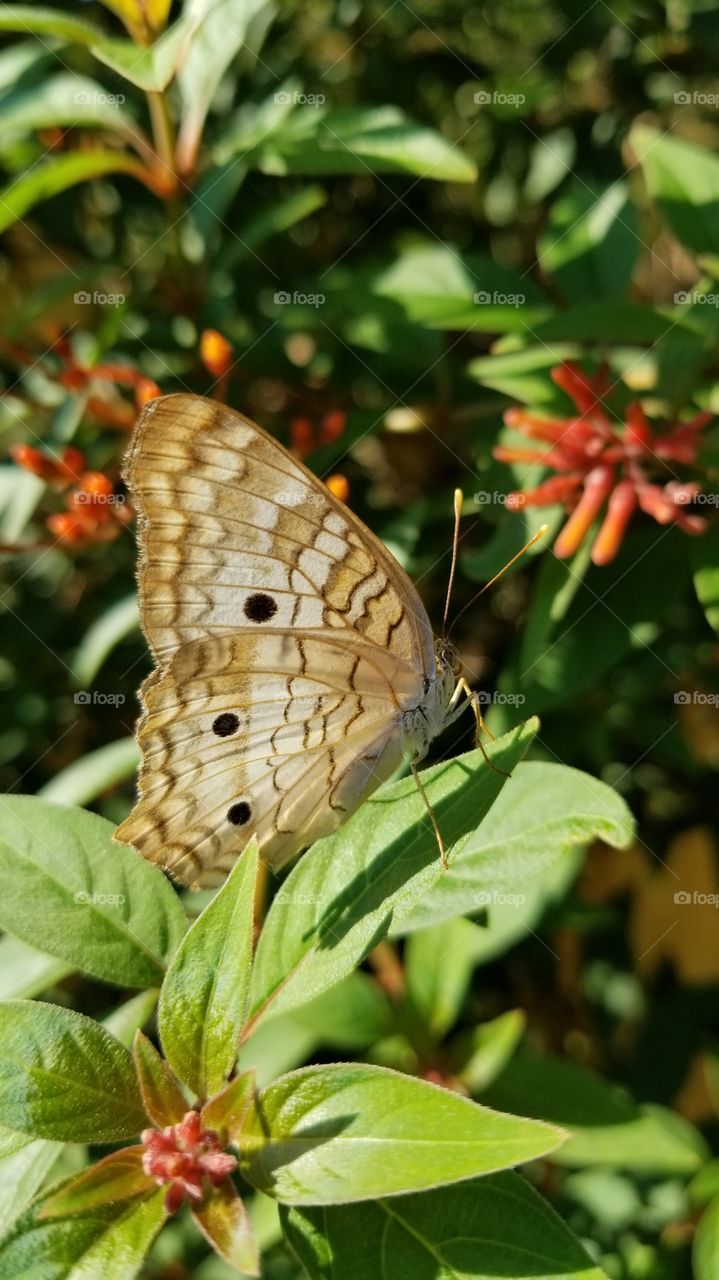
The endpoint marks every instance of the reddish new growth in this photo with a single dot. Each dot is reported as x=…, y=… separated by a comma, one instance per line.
x=601, y=467
x=184, y=1157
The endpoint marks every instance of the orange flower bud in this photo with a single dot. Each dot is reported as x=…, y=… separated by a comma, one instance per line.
x=96, y=484
x=145, y=391
x=68, y=527
x=338, y=485
x=621, y=507
x=597, y=487
x=71, y=465
x=333, y=424
x=302, y=435
x=215, y=353
x=32, y=459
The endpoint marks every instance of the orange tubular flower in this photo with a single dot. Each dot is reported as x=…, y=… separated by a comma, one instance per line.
x=603, y=468
x=215, y=353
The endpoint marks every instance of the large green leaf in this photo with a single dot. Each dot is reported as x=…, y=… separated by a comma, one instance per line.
x=204, y=996
x=607, y=1127
x=329, y=1135
x=317, y=140
x=26, y=972
x=683, y=180
x=63, y=1076
x=68, y=100
x=342, y=897
x=591, y=243
x=438, y=964
x=542, y=813
x=103, y=909
x=493, y=1228
x=109, y=1242
x=56, y=175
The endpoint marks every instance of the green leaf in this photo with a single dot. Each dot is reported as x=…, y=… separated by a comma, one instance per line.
x=332, y=1134
x=109, y=1242
x=119, y=1176
x=204, y=996
x=227, y=1111
x=442, y=288
x=85, y=779
x=104, y=910
x=222, y=1219
x=220, y=29
x=705, y=563
x=125, y=1020
x=68, y=100
x=62, y=1076
x=591, y=243
x=26, y=972
x=607, y=1127
x=21, y=1176
x=58, y=174
x=318, y=140
x=162, y=1097
x=542, y=813
x=341, y=898
x=27, y=18
x=683, y=180
x=705, y=1252
x=439, y=961
x=488, y=1229
x=486, y=1049
x=117, y=622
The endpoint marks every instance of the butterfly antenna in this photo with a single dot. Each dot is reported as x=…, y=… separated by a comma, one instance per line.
x=458, y=500
x=539, y=534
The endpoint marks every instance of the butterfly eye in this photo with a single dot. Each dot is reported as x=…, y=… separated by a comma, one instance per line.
x=239, y=814
x=260, y=607
x=226, y=724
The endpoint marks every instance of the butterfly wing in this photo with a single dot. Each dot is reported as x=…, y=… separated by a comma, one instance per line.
x=275, y=735
x=236, y=533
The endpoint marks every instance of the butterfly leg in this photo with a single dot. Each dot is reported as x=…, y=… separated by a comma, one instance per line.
x=473, y=701
x=433, y=820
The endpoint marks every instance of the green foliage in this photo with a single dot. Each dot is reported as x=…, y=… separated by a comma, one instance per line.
x=403, y=220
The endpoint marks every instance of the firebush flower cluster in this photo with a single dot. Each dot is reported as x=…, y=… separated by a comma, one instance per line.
x=601, y=467
x=184, y=1157
x=95, y=513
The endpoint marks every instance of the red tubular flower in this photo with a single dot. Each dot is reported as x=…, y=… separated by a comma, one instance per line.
x=603, y=467
x=185, y=1157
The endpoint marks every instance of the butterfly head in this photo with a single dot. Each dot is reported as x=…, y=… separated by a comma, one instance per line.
x=448, y=659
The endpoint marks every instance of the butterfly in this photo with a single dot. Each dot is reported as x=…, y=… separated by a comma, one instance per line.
x=296, y=667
